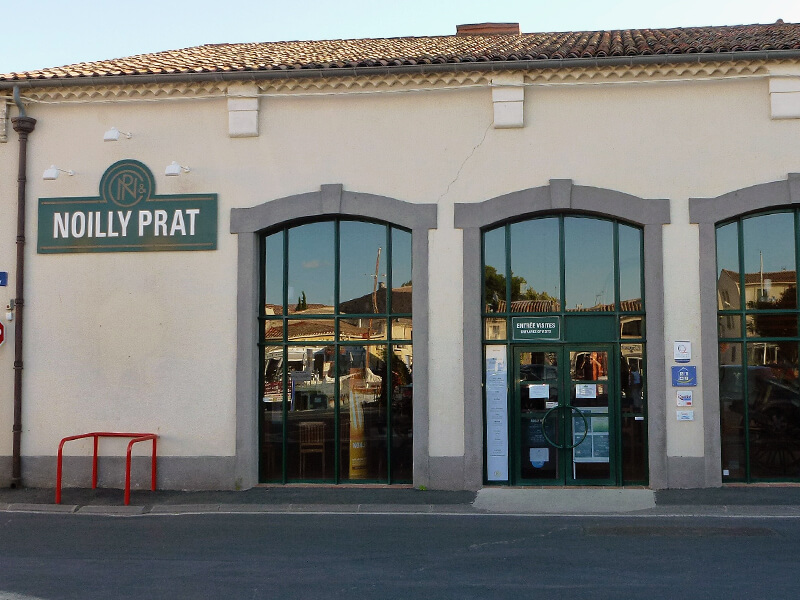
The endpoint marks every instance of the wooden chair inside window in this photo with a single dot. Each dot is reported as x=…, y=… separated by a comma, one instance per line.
x=312, y=441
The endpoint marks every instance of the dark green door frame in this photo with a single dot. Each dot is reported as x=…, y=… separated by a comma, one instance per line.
x=562, y=439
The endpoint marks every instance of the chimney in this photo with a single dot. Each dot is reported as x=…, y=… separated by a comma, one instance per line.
x=488, y=29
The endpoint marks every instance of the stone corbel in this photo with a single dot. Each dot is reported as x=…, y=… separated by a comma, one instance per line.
x=242, y=110
x=784, y=93
x=508, y=97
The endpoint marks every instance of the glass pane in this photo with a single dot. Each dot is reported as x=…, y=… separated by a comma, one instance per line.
x=630, y=268
x=362, y=413
x=402, y=450
x=730, y=326
x=311, y=268
x=732, y=414
x=401, y=271
x=273, y=330
x=631, y=327
x=769, y=248
x=271, y=459
x=538, y=393
x=634, y=450
x=310, y=330
x=273, y=277
x=310, y=430
x=362, y=328
x=535, y=266
x=589, y=264
x=590, y=422
x=494, y=270
x=495, y=329
x=591, y=456
x=767, y=326
x=402, y=329
x=362, y=267
x=773, y=410
x=728, y=296
x=589, y=419
x=632, y=378
x=588, y=365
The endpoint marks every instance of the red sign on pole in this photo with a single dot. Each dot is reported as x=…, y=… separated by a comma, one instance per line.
x=2, y=333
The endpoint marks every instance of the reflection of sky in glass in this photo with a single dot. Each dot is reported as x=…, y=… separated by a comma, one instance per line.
x=727, y=249
x=728, y=292
x=360, y=243
x=494, y=255
x=274, y=268
x=401, y=257
x=630, y=263
x=311, y=262
x=589, y=258
x=535, y=255
x=401, y=262
x=771, y=236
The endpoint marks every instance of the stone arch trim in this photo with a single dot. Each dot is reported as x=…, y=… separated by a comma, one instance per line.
x=706, y=213
x=330, y=201
x=563, y=195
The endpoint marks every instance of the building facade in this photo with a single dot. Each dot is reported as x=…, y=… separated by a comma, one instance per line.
x=484, y=259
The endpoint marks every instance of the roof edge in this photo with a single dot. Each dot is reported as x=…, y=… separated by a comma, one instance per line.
x=516, y=65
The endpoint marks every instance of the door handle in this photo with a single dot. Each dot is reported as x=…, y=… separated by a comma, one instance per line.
x=565, y=446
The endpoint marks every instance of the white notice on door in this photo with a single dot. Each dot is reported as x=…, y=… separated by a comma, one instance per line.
x=539, y=390
x=540, y=455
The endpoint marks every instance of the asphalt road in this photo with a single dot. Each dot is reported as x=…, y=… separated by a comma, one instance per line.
x=330, y=556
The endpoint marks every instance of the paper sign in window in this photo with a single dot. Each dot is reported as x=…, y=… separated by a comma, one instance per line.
x=539, y=390
x=540, y=455
x=586, y=390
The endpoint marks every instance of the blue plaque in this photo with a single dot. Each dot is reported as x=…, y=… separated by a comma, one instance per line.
x=684, y=376
x=3, y=278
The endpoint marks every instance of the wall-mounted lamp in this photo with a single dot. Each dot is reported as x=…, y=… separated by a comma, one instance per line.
x=174, y=169
x=112, y=135
x=53, y=171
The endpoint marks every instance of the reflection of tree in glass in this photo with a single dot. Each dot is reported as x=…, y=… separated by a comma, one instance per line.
x=495, y=288
x=301, y=302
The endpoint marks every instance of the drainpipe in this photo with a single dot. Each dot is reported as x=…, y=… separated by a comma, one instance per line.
x=23, y=125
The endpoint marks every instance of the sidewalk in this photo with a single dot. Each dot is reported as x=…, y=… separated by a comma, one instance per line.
x=732, y=501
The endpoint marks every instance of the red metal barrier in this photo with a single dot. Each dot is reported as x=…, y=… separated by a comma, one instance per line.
x=136, y=437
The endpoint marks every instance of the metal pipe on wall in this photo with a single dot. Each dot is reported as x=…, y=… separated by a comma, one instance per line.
x=23, y=125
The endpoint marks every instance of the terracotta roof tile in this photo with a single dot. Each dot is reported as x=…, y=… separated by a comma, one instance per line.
x=392, y=52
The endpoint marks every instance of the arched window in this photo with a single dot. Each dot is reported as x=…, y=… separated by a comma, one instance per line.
x=758, y=346
x=563, y=302
x=336, y=353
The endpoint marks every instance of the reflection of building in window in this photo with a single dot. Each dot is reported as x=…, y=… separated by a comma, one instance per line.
x=760, y=287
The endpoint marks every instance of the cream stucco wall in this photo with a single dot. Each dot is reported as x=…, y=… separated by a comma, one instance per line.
x=147, y=340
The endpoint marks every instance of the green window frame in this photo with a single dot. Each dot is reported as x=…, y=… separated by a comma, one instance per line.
x=336, y=336
x=758, y=348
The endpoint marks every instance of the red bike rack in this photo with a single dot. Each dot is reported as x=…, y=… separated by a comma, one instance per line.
x=135, y=437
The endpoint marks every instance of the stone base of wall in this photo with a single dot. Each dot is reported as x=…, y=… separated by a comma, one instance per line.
x=686, y=472
x=174, y=472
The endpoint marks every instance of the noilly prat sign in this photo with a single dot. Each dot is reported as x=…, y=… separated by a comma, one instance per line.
x=128, y=217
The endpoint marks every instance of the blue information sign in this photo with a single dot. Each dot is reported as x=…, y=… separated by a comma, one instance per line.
x=685, y=376
x=3, y=278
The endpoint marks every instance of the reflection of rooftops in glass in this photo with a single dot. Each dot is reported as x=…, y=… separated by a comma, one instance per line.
x=531, y=306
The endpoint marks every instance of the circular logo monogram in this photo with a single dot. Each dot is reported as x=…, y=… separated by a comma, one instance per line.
x=126, y=183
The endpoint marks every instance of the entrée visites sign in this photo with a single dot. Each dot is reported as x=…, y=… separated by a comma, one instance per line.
x=536, y=328
x=128, y=217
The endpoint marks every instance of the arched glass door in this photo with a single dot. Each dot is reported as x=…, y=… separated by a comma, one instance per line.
x=563, y=302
